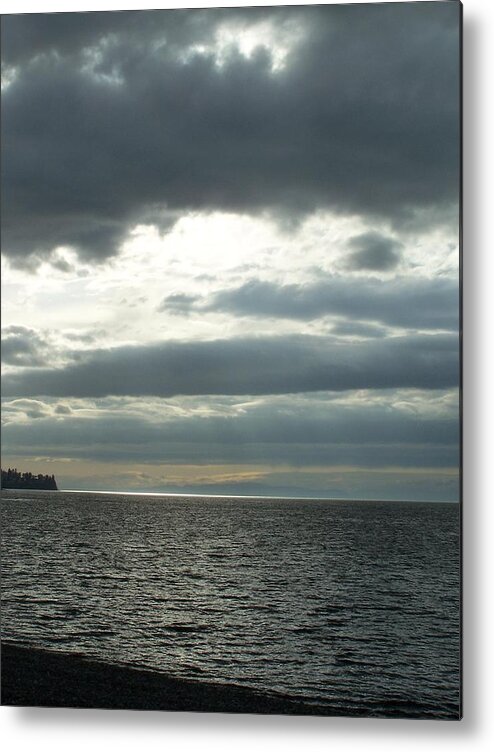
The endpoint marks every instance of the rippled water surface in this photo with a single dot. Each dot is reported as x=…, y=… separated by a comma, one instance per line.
x=354, y=604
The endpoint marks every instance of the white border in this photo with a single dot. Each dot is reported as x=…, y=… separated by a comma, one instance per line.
x=53, y=6
x=53, y=730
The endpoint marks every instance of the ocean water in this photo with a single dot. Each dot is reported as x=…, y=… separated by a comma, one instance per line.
x=353, y=605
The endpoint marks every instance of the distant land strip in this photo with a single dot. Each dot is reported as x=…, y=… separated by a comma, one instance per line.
x=12, y=478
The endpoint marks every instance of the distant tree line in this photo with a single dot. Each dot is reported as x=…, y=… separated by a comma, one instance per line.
x=12, y=478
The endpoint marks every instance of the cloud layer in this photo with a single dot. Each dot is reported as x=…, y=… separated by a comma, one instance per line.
x=248, y=366
x=409, y=303
x=117, y=119
x=306, y=431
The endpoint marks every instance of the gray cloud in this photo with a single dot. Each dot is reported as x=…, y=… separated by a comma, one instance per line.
x=26, y=347
x=62, y=265
x=307, y=434
x=357, y=329
x=22, y=346
x=178, y=303
x=34, y=409
x=412, y=303
x=363, y=119
x=274, y=365
x=374, y=252
x=62, y=409
x=28, y=36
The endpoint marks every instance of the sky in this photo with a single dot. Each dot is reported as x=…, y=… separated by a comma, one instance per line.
x=230, y=250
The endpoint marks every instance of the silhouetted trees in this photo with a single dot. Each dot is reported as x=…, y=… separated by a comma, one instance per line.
x=12, y=478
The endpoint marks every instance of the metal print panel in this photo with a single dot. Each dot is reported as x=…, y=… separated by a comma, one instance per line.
x=231, y=453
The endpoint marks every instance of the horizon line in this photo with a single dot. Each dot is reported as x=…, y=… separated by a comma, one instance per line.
x=235, y=496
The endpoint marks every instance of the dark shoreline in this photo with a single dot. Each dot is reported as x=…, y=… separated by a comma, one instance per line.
x=41, y=678
x=32, y=677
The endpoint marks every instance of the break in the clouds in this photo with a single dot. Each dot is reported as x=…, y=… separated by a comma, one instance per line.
x=135, y=118
x=230, y=249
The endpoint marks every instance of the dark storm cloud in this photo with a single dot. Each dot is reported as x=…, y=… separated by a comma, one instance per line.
x=274, y=365
x=363, y=119
x=373, y=252
x=27, y=36
x=418, y=304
